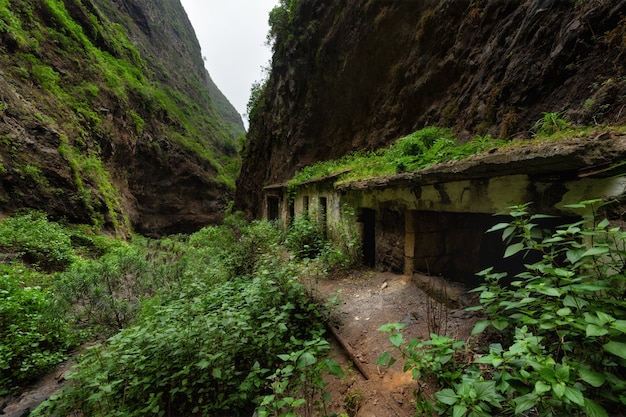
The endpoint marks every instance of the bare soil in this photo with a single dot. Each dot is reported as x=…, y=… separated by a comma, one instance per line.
x=368, y=300
x=30, y=398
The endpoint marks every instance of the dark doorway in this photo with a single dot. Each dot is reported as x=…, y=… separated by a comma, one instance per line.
x=324, y=213
x=273, y=203
x=368, y=218
x=456, y=246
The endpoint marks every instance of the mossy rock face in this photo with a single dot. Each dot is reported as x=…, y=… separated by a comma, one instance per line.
x=123, y=126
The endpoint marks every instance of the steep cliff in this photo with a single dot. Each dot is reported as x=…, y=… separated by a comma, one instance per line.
x=359, y=74
x=108, y=116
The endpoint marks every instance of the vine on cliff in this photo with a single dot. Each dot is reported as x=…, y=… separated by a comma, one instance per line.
x=280, y=22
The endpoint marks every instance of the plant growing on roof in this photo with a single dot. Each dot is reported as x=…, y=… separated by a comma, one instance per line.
x=420, y=149
x=551, y=123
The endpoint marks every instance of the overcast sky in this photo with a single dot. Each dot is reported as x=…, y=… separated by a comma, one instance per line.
x=232, y=36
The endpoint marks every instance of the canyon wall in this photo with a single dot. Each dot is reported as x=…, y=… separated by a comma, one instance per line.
x=359, y=74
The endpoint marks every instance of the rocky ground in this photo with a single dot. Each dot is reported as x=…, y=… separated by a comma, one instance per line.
x=29, y=399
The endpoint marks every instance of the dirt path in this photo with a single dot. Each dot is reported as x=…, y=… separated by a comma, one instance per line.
x=30, y=398
x=369, y=300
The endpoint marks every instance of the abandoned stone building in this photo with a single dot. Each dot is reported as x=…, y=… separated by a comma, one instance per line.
x=434, y=220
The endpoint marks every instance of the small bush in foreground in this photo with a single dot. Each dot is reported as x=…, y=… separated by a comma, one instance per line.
x=306, y=238
x=209, y=354
x=559, y=329
x=33, y=335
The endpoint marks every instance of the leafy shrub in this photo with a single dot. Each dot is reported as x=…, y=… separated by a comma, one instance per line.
x=306, y=238
x=253, y=240
x=209, y=251
x=559, y=327
x=342, y=250
x=31, y=237
x=207, y=354
x=234, y=248
x=432, y=358
x=298, y=385
x=551, y=123
x=33, y=335
x=568, y=350
x=104, y=294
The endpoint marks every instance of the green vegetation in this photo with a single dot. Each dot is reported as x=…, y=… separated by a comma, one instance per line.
x=80, y=68
x=280, y=22
x=257, y=100
x=335, y=246
x=430, y=146
x=31, y=172
x=92, y=169
x=208, y=352
x=551, y=123
x=557, y=332
x=35, y=334
x=31, y=238
x=221, y=321
x=215, y=322
x=306, y=238
x=416, y=151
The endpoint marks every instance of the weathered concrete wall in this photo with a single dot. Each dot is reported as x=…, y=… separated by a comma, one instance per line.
x=439, y=228
x=490, y=196
x=318, y=200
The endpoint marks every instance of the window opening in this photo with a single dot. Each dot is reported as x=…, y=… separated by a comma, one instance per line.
x=324, y=213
